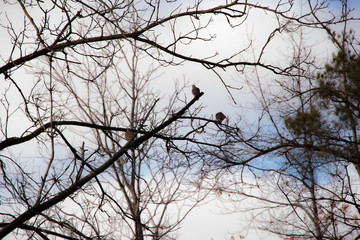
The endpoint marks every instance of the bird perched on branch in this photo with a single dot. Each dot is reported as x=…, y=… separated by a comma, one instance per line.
x=195, y=90
x=129, y=134
x=219, y=117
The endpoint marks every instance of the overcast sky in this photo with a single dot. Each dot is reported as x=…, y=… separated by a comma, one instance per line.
x=207, y=222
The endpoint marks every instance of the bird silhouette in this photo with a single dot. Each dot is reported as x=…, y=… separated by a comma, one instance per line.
x=129, y=134
x=195, y=90
x=219, y=117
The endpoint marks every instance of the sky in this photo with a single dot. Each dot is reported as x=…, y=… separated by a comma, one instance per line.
x=208, y=221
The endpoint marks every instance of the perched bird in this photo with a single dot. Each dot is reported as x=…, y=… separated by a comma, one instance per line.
x=195, y=90
x=129, y=134
x=219, y=117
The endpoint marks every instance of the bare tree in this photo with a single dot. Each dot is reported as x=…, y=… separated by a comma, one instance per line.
x=150, y=195
x=74, y=84
x=86, y=181
x=303, y=151
x=128, y=190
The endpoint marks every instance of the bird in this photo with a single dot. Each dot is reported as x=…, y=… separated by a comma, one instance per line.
x=195, y=90
x=219, y=117
x=129, y=134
